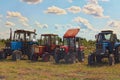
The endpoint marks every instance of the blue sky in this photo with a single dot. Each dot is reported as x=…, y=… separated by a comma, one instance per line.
x=57, y=16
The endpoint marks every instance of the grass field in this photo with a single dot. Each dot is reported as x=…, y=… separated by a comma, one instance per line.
x=27, y=70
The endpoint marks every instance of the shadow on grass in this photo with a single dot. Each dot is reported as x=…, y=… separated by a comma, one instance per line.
x=99, y=64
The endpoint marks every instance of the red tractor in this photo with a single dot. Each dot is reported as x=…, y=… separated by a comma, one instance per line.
x=48, y=43
x=71, y=50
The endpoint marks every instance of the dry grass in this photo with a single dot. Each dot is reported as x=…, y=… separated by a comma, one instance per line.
x=27, y=70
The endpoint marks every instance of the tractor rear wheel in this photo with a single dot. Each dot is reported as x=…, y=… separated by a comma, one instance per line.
x=34, y=57
x=46, y=57
x=70, y=58
x=111, y=60
x=16, y=55
x=117, y=55
x=80, y=56
x=91, y=59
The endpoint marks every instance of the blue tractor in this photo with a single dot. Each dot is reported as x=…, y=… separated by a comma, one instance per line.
x=20, y=45
x=107, y=46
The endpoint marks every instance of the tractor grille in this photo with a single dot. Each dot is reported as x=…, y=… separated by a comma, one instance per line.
x=99, y=46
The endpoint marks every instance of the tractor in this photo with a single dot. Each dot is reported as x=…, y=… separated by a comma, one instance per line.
x=46, y=47
x=107, y=46
x=20, y=45
x=72, y=49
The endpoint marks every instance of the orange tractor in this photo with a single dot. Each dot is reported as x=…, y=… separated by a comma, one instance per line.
x=71, y=50
x=48, y=43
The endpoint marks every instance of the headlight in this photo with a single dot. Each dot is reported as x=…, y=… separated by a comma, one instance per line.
x=60, y=49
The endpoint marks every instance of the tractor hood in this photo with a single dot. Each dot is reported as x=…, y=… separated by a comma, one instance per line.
x=71, y=33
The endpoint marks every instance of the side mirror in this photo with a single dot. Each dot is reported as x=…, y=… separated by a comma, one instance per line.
x=77, y=39
x=60, y=40
x=96, y=36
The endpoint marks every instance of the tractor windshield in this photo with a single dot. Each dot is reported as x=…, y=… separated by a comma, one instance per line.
x=49, y=40
x=69, y=42
x=104, y=37
x=24, y=36
x=19, y=37
x=30, y=37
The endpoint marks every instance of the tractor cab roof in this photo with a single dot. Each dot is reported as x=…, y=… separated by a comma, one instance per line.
x=107, y=31
x=24, y=31
x=71, y=33
x=49, y=35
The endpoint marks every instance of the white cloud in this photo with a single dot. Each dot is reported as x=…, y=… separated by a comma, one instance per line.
x=1, y=16
x=114, y=23
x=13, y=14
x=10, y=24
x=70, y=1
x=32, y=1
x=55, y=10
x=18, y=15
x=93, y=8
x=23, y=20
x=84, y=22
x=38, y=24
x=93, y=1
x=74, y=9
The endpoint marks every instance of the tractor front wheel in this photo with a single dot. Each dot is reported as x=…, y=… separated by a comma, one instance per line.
x=16, y=55
x=34, y=57
x=3, y=55
x=56, y=57
x=117, y=55
x=91, y=59
x=81, y=56
x=111, y=60
x=70, y=58
x=46, y=57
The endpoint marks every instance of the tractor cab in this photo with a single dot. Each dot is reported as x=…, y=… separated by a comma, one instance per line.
x=22, y=39
x=71, y=47
x=49, y=41
x=105, y=42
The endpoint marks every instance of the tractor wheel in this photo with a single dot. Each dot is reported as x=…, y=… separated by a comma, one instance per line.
x=34, y=57
x=46, y=57
x=2, y=55
x=70, y=58
x=117, y=56
x=98, y=59
x=80, y=56
x=91, y=59
x=16, y=55
x=56, y=57
x=111, y=60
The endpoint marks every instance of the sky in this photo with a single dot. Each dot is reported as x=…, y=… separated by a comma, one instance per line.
x=57, y=16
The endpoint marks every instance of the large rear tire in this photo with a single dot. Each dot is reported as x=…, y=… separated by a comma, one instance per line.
x=111, y=60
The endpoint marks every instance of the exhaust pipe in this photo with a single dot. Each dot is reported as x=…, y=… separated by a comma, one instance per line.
x=10, y=34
